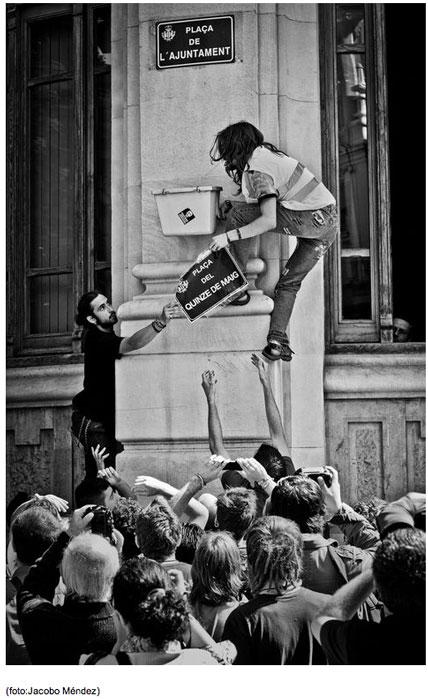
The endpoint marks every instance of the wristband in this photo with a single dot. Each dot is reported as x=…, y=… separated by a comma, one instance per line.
x=239, y=234
x=158, y=325
x=227, y=236
x=202, y=480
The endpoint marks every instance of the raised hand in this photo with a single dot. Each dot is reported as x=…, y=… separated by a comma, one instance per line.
x=261, y=366
x=60, y=504
x=149, y=486
x=80, y=520
x=110, y=474
x=215, y=465
x=209, y=381
x=331, y=494
x=253, y=470
x=169, y=311
x=100, y=455
x=177, y=580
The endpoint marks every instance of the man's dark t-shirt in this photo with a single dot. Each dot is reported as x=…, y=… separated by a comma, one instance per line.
x=394, y=641
x=97, y=400
x=274, y=629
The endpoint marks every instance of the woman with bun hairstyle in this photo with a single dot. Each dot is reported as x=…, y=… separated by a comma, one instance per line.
x=156, y=616
x=281, y=194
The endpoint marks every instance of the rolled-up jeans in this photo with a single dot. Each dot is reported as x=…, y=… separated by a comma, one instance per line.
x=315, y=230
x=91, y=433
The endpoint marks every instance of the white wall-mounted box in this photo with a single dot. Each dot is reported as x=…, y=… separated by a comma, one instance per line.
x=188, y=211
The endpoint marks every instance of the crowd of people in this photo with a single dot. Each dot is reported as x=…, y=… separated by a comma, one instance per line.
x=274, y=569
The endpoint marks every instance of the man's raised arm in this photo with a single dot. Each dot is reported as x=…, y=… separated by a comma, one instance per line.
x=145, y=335
x=273, y=416
x=215, y=432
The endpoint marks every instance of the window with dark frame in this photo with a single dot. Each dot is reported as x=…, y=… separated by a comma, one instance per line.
x=367, y=277
x=59, y=154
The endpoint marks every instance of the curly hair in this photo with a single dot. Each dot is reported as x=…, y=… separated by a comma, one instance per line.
x=125, y=514
x=236, y=510
x=399, y=571
x=370, y=508
x=272, y=460
x=235, y=144
x=274, y=551
x=143, y=595
x=299, y=499
x=158, y=530
x=216, y=570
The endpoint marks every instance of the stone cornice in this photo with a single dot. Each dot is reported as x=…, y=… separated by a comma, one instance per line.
x=43, y=386
x=389, y=376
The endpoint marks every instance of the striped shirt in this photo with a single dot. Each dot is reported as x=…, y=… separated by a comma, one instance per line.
x=292, y=183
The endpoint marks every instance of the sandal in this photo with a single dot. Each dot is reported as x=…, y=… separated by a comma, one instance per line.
x=242, y=300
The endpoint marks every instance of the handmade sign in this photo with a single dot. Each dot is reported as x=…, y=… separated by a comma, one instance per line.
x=208, y=283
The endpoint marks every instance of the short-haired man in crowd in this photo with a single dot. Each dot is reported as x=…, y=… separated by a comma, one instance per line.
x=399, y=577
x=32, y=533
x=273, y=627
x=86, y=622
x=327, y=564
x=93, y=418
x=159, y=535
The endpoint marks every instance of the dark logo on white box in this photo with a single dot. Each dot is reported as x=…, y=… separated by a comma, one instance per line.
x=186, y=215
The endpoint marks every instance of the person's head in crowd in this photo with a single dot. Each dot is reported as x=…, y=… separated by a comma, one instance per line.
x=272, y=460
x=150, y=608
x=370, y=508
x=88, y=567
x=95, y=491
x=191, y=535
x=216, y=570
x=32, y=533
x=300, y=499
x=20, y=498
x=274, y=553
x=399, y=571
x=125, y=515
x=158, y=531
x=236, y=510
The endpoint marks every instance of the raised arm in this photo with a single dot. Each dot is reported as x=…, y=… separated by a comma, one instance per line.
x=195, y=512
x=345, y=602
x=273, y=416
x=215, y=432
x=180, y=501
x=357, y=530
x=145, y=335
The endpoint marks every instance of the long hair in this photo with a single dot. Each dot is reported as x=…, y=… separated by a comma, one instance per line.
x=274, y=551
x=216, y=570
x=235, y=145
x=143, y=594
